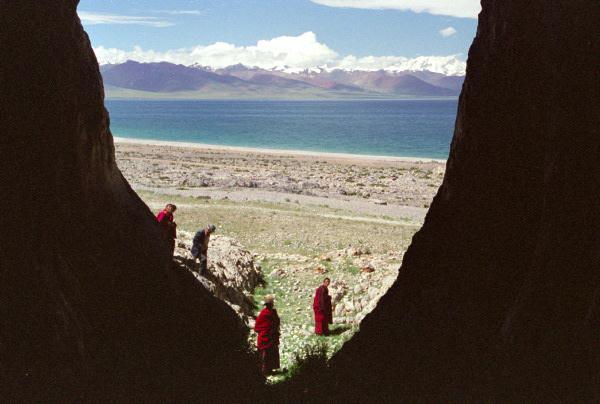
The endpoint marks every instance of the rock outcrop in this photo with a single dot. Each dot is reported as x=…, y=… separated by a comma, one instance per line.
x=356, y=297
x=498, y=295
x=232, y=273
x=91, y=308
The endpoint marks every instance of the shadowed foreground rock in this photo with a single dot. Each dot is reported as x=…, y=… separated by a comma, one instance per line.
x=89, y=306
x=498, y=297
x=499, y=294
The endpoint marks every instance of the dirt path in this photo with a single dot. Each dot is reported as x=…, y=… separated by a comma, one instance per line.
x=396, y=213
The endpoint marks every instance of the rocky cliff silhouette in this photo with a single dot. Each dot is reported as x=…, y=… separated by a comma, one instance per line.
x=90, y=305
x=498, y=298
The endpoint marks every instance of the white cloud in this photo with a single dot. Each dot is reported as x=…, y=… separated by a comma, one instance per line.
x=180, y=12
x=291, y=53
x=92, y=18
x=449, y=31
x=302, y=51
x=453, y=8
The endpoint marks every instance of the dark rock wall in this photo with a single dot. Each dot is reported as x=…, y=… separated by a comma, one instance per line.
x=499, y=294
x=498, y=297
x=89, y=305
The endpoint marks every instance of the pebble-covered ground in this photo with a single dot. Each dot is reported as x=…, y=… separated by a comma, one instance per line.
x=408, y=183
x=359, y=279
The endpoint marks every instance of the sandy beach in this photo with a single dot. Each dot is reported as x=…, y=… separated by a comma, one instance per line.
x=296, y=153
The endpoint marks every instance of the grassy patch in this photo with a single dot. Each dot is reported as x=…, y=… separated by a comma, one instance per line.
x=306, y=231
x=309, y=360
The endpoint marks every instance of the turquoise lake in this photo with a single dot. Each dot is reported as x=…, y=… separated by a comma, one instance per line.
x=405, y=128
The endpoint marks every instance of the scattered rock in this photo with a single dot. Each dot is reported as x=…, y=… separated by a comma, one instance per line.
x=373, y=293
x=357, y=251
x=325, y=257
x=367, y=269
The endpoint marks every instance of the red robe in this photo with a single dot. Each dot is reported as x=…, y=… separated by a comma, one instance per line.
x=166, y=223
x=322, y=309
x=165, y=219
x=267, y=327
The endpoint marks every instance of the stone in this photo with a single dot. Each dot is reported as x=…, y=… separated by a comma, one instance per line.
x=325, y=257
x=232, y=272
x=373, y=293
x=367, y=269
x=353, y=252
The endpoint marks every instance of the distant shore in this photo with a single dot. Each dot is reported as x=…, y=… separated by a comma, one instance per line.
x=281, y=152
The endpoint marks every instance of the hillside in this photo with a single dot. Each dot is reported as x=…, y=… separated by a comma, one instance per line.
x=166, y=80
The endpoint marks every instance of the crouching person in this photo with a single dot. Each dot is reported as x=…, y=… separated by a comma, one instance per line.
x=200, y=247
x=267, y=327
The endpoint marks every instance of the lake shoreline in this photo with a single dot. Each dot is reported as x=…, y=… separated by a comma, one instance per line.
x=283, y=152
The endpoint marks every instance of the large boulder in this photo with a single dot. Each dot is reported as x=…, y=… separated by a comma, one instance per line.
x=232, y=273
x=91, y=307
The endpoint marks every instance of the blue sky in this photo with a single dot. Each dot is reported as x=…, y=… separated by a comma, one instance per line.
x=347, y=27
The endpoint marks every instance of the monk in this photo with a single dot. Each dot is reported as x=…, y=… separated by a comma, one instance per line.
x=200, y=247
x=169, y=227
x=322, y=309
x=267, y=327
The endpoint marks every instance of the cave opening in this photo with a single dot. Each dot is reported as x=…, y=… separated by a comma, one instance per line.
x=335, y=199
x=275, y=237
x=498, y=295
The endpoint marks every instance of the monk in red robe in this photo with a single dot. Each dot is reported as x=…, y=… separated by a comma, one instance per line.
x=169, y=227
x=267, y=327
x=322, y=309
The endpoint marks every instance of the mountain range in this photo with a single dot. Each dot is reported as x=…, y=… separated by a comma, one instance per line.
x=167, y=80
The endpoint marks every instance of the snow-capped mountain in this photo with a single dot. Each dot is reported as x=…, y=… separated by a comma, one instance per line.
x=397, y=78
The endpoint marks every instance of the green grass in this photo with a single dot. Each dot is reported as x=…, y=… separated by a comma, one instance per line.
x=308, y=361
x=351, y=269
x=270, y=228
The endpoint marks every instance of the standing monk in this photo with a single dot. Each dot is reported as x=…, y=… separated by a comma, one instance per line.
x=169, y=227
x=267, y=327
x=322, y=309
x=200, y=246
